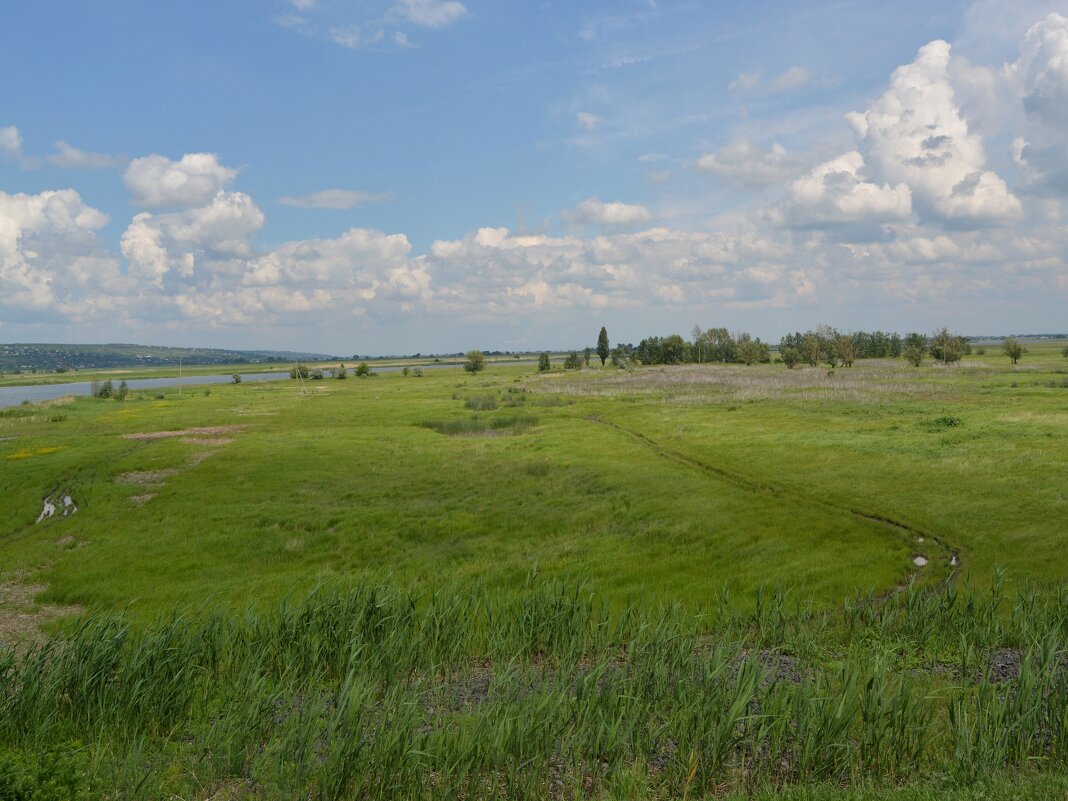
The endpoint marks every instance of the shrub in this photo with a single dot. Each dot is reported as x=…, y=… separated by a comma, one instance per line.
x=341, y=373
x=572, y=362
x=102, y=389
x=544, y=365
x=418, y=372
x=122, y=391
x=298, y=371
x=316, y=374
x=475, y=362
x=236, y=378
x=362, y=370
x=406, y=370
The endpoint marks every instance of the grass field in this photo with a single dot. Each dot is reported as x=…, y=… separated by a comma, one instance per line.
x=681, y=486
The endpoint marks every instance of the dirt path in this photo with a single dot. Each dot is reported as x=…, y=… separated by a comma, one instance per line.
x=939, y=554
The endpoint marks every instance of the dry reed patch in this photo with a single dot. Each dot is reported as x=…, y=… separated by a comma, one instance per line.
x=872, y=382
x=146, y=478
x=148, y=436
x=20, y=616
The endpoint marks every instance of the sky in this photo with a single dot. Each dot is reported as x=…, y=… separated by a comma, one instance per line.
x=400, y=176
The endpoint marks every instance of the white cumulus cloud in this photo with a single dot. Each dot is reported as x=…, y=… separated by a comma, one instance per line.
x=49, y=250
x=835, y=192
x=745, y=163
x=159, y=182
x=915, y=135
x=594, y=211
x=10, y=142
x=1042, y=77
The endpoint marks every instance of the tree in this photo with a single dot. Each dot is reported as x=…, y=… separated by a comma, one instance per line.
x=810, y=348
x=122, y=392
x=341, y=372
x=946, y=347
x=790, y=356
x=544, y=365
x=602, y=345
x=1013, y=349
x=475, y=361
x=846, y=348
x=914, y=354
x=1064, y=352
x=752, y=350
x=586, y=357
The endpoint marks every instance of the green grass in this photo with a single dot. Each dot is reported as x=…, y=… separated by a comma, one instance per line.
x=651, y=486
x=366, y=691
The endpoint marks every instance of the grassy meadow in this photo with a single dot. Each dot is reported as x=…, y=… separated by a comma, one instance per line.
x=667, y=582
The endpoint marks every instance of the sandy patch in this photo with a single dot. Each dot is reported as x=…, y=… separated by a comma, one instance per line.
x=148, y=436
x=212, y=441
x=20, y=616
x=145, y=478
x=141, y=500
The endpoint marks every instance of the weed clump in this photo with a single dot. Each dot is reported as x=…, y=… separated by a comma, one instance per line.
x=514, y=423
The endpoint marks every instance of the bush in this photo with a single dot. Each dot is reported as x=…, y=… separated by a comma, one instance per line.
x=102, y=389
x=341, y=373
x=544, y=365
x=572, y=362
x=475, y=361
x=362, y=370
x=236, y=378
x=316, y=374
x=122, y=392
x=298, y=371
x=622, y=358
x=418, y=372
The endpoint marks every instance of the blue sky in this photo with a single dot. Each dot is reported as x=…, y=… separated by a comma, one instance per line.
x=417, y=175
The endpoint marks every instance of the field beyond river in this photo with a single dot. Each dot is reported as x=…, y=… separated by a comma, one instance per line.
x=306, y=555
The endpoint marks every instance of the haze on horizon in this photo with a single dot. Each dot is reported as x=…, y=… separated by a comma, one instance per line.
x=430, y=175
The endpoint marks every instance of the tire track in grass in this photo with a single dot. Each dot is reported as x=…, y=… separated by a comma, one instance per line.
x=947, y=562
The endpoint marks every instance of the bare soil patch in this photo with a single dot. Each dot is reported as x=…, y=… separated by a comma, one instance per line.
x=209, y=441
x=148, y=436
x=20, y=616
x=146, y=478
x=141, y=500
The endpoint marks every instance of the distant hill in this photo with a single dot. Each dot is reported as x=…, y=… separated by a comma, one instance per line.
x=45, y=356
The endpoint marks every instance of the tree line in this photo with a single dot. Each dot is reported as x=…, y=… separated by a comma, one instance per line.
x=822, y=345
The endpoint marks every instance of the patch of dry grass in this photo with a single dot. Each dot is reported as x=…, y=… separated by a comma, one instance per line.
x=872, y=382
